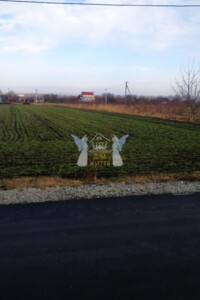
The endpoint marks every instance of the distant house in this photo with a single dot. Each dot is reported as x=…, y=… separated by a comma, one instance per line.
x=3, y=99
x=21, y=98
x=87, y=97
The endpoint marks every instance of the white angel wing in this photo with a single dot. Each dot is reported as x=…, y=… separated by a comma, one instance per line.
x=121, y=142
x=78, y=141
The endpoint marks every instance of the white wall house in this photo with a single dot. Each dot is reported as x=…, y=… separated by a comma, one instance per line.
x=87, y=97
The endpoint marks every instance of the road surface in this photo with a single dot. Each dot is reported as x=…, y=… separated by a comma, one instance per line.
x=145, y=247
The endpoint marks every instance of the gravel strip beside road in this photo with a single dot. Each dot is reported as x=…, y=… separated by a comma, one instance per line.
x=30, y=195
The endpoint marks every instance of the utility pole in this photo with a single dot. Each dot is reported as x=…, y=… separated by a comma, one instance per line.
x=106, y=96
x=36, y=96
x=126, y=91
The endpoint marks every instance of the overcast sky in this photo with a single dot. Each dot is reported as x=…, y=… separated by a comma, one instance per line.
x=68, y=49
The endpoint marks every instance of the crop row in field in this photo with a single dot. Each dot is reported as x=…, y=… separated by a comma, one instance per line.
x=36, y=140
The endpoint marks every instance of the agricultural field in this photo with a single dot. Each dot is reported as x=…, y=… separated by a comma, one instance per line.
x=36, y=141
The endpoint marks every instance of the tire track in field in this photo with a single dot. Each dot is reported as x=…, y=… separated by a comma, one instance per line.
x=54, y=131
x=5, y=129
x=16, y=133
x=11, y=130
x=3, y=117
x=21, y=124
x=14, y=127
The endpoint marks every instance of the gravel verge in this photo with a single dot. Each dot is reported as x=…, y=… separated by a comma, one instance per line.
x=33, y=195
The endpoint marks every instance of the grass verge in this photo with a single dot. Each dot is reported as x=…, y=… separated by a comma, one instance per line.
x=46, y=182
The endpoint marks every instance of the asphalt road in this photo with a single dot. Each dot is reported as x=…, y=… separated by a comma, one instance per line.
x=125, y=248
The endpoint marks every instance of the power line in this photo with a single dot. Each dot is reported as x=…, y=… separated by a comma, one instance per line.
x=107, y=4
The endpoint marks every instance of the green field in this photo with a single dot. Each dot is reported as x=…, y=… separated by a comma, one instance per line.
x=36, y=140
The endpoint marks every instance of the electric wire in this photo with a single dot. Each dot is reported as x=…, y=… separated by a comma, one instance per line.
x=106, y=4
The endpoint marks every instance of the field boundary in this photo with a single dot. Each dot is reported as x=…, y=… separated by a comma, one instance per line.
x=162, y=111
x=95, y=191
x=54, y=181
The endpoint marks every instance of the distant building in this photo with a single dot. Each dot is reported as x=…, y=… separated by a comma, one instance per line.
x=39, y=99
x=3, y=99
x=21, y=98
x=87, y=97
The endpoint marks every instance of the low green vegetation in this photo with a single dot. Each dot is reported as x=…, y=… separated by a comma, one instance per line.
x=36, y=140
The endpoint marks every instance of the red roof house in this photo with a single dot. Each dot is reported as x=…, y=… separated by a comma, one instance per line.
x=87, y=97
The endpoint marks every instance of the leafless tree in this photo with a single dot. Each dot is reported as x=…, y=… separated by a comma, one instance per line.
x=188, y=89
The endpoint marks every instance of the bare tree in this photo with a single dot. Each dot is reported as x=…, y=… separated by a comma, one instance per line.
x=188, y=89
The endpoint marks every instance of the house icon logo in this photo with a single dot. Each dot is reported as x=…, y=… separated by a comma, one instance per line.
x=99, y=142
x=99, y=154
